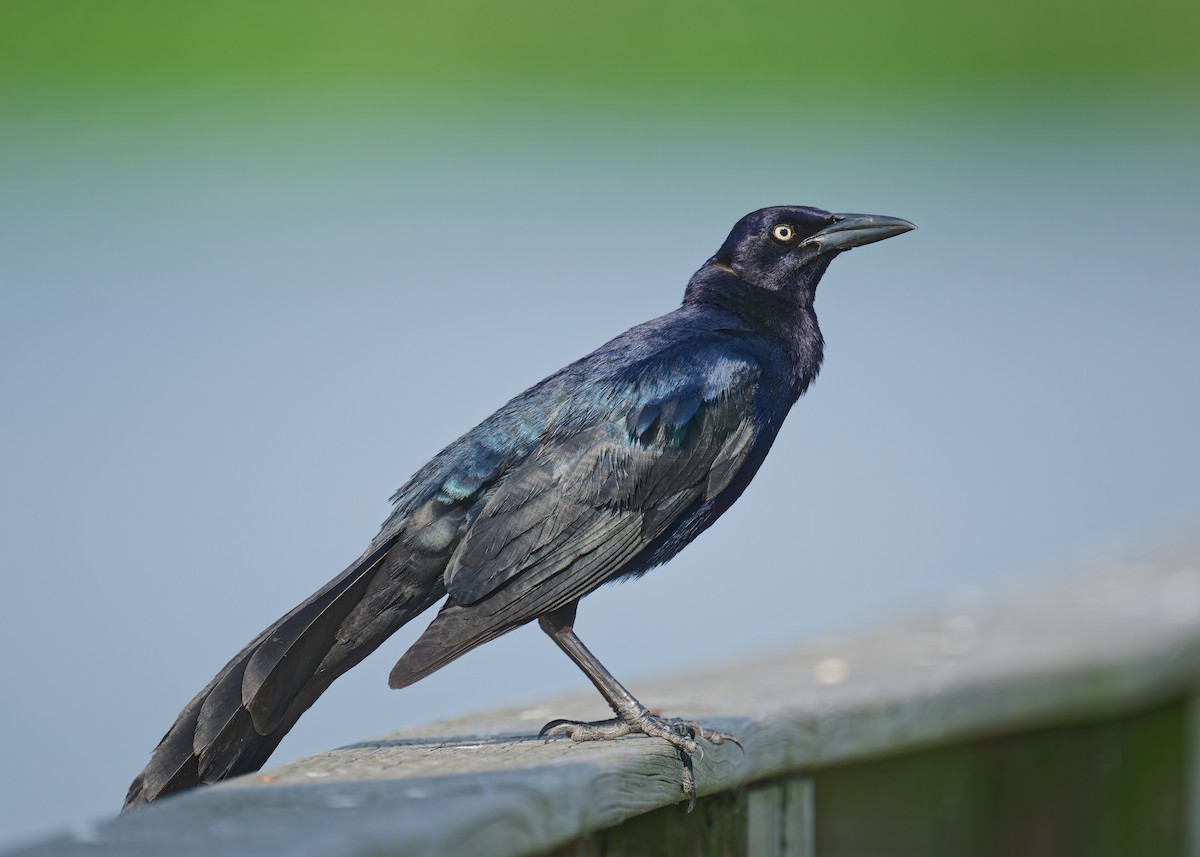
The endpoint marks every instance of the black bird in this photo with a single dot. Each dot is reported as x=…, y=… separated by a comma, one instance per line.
x=602, y=471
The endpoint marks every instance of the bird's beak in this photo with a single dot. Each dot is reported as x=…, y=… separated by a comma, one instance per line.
x=855, y=230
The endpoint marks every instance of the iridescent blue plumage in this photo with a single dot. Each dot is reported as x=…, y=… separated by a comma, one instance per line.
x=603, y=470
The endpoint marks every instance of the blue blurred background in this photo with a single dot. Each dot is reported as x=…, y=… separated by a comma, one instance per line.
x=259, y=262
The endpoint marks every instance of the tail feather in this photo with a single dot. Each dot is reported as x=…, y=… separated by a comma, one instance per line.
x=234, y=724
x=455, y=631
x=287, y=659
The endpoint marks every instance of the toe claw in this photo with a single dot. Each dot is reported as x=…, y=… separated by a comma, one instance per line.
x=686, y=736
x=547, y=731
x=688, y=783
x=715, y=737
x=689, y=729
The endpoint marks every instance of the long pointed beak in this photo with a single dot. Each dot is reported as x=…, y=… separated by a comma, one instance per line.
x=855, y=230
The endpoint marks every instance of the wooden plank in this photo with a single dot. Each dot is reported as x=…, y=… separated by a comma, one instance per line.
x=780, y=820
x=1088, y=650
x=769, y=820
x=1191, y=760
x=1106, y=789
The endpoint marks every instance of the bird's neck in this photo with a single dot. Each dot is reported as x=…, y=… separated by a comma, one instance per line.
x=786, y=318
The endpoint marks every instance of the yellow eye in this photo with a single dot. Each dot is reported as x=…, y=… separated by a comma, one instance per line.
x=783, y=232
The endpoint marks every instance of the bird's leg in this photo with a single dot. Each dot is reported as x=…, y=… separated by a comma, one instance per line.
x=632, y=717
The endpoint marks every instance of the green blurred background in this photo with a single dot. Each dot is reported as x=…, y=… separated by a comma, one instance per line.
x=258, y=261
x=728, y=60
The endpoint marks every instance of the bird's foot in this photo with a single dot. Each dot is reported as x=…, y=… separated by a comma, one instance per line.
x=684, y=735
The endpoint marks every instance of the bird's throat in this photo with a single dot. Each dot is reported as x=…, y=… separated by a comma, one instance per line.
x=786, y=317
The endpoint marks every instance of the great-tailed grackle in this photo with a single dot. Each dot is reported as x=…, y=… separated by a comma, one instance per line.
x=602, y=471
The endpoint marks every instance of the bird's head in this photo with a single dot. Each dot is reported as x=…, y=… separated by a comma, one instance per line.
x=786, y=249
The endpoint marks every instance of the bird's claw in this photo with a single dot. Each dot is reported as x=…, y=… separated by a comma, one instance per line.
x=551, y=729
x=695, y=730
x=601, y=730
x=712, y=736
x=688, y=780
x=684, y=735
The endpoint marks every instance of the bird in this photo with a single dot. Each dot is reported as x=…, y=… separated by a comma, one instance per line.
x=600, y=472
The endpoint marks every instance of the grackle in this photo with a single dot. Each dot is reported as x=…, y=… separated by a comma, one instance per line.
x=602, y=471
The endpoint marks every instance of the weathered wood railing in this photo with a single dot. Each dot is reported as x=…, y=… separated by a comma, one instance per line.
x=1061, y=723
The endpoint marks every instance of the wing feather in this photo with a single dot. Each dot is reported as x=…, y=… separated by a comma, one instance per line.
x=632, y=475
x=585, y=504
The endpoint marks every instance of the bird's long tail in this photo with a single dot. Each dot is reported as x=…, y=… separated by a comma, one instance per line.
x=237, y=721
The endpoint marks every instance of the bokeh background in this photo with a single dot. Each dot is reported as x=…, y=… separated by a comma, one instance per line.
x=259, y=261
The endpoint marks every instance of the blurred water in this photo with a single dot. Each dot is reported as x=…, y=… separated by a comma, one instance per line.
x=219, y=356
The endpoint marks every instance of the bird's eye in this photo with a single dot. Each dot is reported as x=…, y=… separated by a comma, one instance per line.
x=783, y=232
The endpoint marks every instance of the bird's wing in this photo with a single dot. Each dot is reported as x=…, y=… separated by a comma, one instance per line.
x=585, y=504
